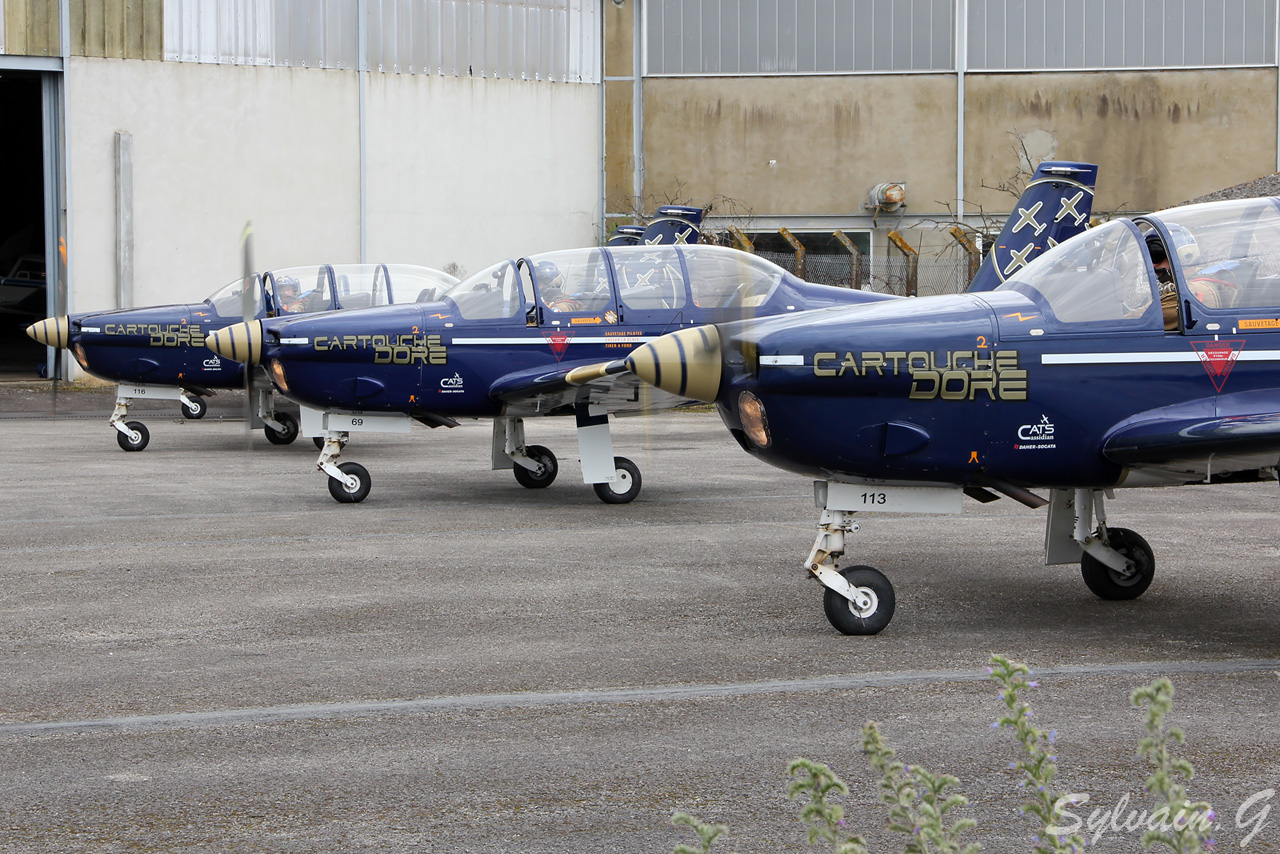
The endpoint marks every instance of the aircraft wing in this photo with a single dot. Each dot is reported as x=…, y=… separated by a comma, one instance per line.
x=542, y=391
x=1232, y=432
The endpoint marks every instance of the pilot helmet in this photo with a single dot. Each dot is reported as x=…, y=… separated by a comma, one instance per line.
x=287, y=287
x=1156, y=247
x=1184, y=244
x=548, y=275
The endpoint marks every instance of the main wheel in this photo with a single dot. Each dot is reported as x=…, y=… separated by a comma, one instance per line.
x=194, y=412
x=847, y=617
x=351, y=495
x=1110, y=584
x=290, y=430
x=139, y=438
x=530, y=479
x=625, y=488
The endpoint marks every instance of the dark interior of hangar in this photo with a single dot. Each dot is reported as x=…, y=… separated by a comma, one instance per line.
x=22, y=241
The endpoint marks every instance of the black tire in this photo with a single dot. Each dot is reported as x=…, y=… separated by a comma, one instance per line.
x=342, y=494
x=843, y=614
x=1106, y=583
x=623, y=490
x=198, y=412
x=143, y=436
x=550, y=468
x=290, y=430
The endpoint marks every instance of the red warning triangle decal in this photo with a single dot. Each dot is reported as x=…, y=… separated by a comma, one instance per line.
x=1218, y=358
x=559, y=342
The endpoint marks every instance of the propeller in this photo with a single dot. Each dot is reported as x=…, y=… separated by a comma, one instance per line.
x=239, y=342
x=684, y=363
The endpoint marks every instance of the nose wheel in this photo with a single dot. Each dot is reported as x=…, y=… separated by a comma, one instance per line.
x=870, y=607
x=354, y=485
x=859, y=600
x=134, y=436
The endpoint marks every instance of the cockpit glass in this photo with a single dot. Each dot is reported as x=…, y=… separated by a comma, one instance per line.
x=1229, y=253
x=492, y=293
x=649, y=277
x=410, y=283
x=299, y=290
x=572, y=281
x=1100, y=275
x=720, y=277
x=229, y=300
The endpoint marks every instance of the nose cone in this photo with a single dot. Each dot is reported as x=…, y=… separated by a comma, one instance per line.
x=239, y=342
x=52, y=331
x=684, y=363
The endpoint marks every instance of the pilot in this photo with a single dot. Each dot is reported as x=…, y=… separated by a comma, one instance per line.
x=552, y=286
x=1164, y=275
x=288, y=291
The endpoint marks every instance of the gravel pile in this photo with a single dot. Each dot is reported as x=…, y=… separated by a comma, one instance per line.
x=1267, y=185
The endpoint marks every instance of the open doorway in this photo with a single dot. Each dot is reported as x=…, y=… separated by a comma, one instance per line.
x=22, y=224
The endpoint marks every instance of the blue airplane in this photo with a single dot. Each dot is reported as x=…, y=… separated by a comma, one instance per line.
x=524, y=337
x=500, y=345
x=1141, y=353
x=158, y=352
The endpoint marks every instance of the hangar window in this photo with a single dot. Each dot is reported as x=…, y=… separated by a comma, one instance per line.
x=551, y=40
x=782, y=37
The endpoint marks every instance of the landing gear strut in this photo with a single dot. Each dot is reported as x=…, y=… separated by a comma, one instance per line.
x=615, y=480
x=1116, y=563
x=349, y=483
x=858, y=600
x=133, y=435
x=280, y=428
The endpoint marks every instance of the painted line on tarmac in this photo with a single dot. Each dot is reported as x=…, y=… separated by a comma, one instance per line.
x=592, y=697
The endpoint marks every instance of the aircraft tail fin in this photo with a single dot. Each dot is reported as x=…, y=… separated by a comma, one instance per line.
x=674, y=224
x=1055, y=206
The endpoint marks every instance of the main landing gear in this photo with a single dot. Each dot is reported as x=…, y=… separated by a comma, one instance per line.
x=281, y=428
x=1116, y=563
x=615, y=480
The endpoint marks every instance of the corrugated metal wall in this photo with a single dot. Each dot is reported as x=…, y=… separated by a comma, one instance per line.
x=550, y=40
x=31, y=28
x=120, y=29
x=516, y=39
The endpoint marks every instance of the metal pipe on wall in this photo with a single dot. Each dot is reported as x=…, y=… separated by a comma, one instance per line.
x=962, y=59
x=124, y=219
x=637, y=107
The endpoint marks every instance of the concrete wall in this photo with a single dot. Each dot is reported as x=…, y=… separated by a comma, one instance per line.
x=796, y=146
x=1159, y=138
x=468, y=170
x=459, y=170
x=800, y=145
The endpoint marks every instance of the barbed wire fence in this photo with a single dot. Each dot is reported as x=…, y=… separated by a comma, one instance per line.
x=944, y=274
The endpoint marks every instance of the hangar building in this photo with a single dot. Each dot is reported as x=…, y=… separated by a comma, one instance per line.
x=143, y=136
